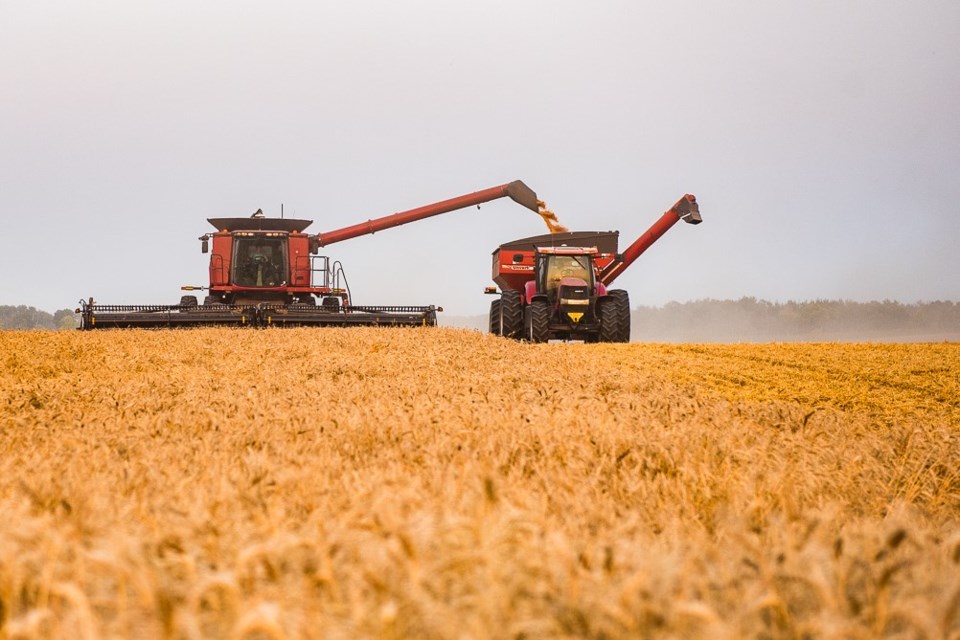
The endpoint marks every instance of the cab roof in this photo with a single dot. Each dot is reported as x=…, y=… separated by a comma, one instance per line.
x=568, y=251
x=259, y=224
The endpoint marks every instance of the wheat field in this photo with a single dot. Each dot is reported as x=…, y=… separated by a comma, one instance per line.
x=418, y=483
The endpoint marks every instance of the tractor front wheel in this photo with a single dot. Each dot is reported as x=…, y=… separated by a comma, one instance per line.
x=538, y=321
x=511, y=314
x=614, y=312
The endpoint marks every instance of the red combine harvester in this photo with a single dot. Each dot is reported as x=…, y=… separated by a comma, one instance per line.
x=554, y=286
x=266, y=272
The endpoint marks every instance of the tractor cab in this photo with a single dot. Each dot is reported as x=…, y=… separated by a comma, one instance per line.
x=566, y=277
x=565, y=272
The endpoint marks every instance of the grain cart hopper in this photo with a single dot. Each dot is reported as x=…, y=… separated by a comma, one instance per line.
x=267, y=272
x=555, y=286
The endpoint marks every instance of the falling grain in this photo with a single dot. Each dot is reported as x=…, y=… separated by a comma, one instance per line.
x=549, y=217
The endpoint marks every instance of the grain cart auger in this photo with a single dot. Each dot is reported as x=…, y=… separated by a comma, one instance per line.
x=554, y=286
x=267, y=272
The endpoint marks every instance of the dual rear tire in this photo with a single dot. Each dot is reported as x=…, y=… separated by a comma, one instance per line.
x=506, y=315
x=495, y=317
x=613, y=311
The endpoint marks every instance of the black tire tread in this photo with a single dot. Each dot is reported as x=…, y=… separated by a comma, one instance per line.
x=614, y=312
x=511, y=314
x=538, y=329
x=495, y=317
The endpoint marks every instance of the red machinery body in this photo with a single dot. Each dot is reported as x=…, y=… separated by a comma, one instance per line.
x=556, y=286
x=266, y=271
x=514, y=263
x=221, y=261
x=290, y=271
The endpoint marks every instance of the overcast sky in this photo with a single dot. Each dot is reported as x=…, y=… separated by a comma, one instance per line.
x=821, y=138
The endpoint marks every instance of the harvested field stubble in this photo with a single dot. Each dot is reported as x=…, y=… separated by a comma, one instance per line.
x=444, y=483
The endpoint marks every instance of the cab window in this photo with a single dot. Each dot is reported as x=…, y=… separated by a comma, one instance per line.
x=260, y=262
x=558, y=267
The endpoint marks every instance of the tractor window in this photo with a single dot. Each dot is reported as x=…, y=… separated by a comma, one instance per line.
x=558, y=267
x=260, y=262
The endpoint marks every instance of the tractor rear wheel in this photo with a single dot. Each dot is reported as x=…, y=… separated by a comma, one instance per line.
x=538, y=321
x=495, y=317
x=511, y=314
x=614, y=312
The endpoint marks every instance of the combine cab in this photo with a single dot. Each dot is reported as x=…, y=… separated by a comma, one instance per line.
x=555, y=286
x=267, y=272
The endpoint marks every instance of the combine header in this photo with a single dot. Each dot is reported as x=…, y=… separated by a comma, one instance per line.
x=554, y=286
x=267, y=272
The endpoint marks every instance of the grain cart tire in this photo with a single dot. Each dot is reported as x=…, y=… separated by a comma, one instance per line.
x=495, y=317
x=614, y=312
x=538, y=321
x=511, y=314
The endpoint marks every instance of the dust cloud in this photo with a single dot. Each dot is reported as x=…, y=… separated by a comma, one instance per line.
x=753, y=320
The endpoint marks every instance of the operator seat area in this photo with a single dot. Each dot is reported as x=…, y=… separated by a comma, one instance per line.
x=260, y=262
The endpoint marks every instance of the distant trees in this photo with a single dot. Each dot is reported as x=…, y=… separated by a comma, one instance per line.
x=743, y=320
x=22, y=317
x=752, y=320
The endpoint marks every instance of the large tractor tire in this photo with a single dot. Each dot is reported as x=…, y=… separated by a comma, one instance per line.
x=511, y=314
x=538, y=321
x=495, y=317
x=614, y=312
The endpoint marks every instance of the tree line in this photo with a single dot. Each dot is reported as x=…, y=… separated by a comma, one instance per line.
x=752, y=320
x=22, y=317
x=743, y=320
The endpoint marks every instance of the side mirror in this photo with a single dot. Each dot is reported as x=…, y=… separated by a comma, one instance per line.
x=204, y=245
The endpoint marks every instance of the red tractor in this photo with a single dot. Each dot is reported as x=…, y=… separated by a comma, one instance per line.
x=266, y=272
x=554, y=286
